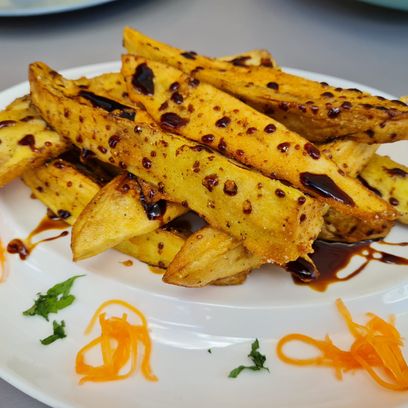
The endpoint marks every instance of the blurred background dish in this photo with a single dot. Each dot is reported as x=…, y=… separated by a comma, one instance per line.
x=19, y=8
x=394, y=4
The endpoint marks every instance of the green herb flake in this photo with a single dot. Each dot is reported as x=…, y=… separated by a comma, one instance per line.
x=257, y=358
x=56, y=298
x=210, y=351
x=59, y=333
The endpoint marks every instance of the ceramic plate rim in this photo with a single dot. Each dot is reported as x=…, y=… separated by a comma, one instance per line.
x=36, y=11
x=17, y=90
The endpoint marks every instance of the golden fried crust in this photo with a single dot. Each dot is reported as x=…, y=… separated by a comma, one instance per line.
x=243, y=203
x=156, y=248
x=62, y=187
x=316, y=111
x=390, y=180
x=207, y=115
x=25, y=140
x=210, y=255
x=349, y=156
x=343, y=228
x=114, y=214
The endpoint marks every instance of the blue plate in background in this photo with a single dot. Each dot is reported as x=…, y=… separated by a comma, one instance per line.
x=394, y=4
x=21, y=8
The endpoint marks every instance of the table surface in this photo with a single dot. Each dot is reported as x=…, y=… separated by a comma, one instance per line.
x=346, y=38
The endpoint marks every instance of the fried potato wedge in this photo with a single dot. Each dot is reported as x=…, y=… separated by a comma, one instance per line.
x=207, y=115
x=209, y=255
x=277, y=227
x=25, y=140
x=112, y=84
x=350, y=156
x=119, y=211
x=62, y=187
x=133, y=40
x=156, y=248
x=343, y=228
x=19, y=151
x=317, y=111
x=389, y=180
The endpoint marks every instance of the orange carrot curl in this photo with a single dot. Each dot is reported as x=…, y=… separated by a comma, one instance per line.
x=3, y=266
x=376, y=349
x=118, y=343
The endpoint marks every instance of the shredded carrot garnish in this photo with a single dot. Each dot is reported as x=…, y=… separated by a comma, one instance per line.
x=118, y=342
x=3, y=271
x=376, y=349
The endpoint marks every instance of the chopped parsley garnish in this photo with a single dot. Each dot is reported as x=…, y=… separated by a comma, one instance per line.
x=257, y=358
x=56, y=298
x=59, y=333
x=209, y=350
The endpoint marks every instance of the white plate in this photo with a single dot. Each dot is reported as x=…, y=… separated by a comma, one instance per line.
x=185, y=323
x=20, y=8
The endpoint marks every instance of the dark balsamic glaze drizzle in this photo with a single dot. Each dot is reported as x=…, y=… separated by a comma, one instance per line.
x=108, y=105
x=312, y=151
x=302, y=270
x=189, y=55
x=240, y=61
x=179, y=225
x=85, y=161
x=142, y=79
x=24, y=247
x=332, y=257
x=155, y=210
x=396, y=171
x=371, y=188
x=7, y=123
x=28, y=140
x=325, y=187
x=171, y=121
